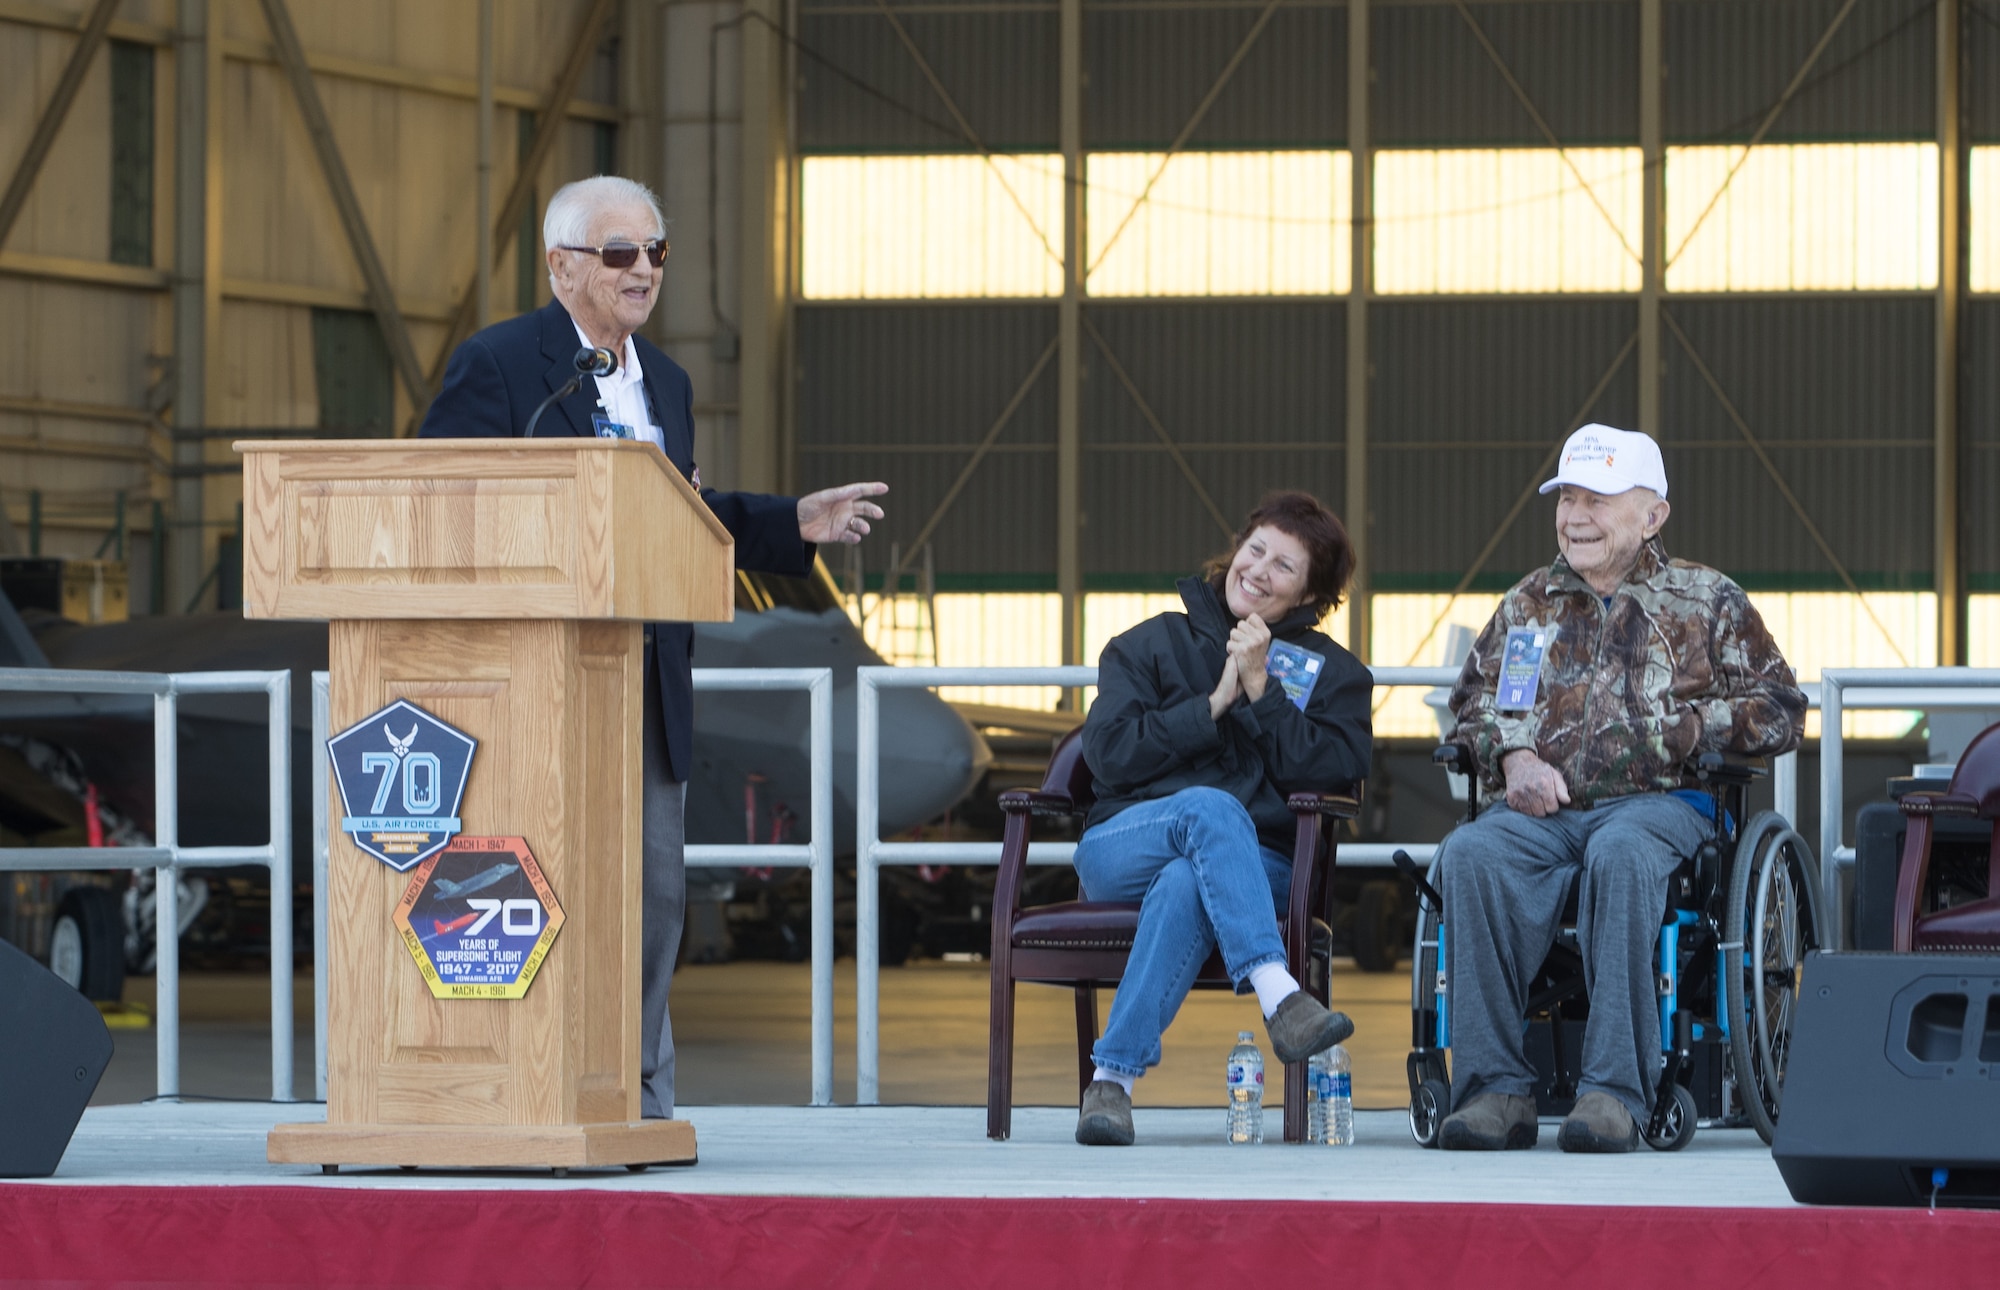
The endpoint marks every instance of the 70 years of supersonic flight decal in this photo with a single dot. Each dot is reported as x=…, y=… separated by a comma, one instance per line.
x=479, y=918
x=402, y=776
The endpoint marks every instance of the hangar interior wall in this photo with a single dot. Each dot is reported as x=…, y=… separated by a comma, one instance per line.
x=1502, y=149
x=1797, y=349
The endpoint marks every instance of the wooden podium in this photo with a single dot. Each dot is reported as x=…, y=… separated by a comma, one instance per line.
x=499, y=585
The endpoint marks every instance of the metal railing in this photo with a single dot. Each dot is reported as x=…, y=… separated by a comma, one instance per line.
x=871, y=852
x=816, y=855
x=166, y=856
x=1844, y=688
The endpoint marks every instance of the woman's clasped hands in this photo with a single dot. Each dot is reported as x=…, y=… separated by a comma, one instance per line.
x=1243, y=673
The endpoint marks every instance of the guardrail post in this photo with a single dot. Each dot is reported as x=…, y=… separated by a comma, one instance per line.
x=867, y=889
x=1832, y=797
x=1785, y=786
x=821, y=695
x=279, y=692
x=322, y=718
x=166, y=894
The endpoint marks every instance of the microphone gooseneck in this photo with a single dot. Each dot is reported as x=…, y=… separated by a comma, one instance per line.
x=591, y=360
x=568, y=388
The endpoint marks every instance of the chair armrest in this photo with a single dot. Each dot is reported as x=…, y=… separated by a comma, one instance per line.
x=1456, y=758
x=1024, y=801
x=1955, y=805
x=1717, y=768
x=1337, y=806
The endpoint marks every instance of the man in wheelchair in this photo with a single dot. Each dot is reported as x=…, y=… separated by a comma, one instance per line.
x=1583, y=706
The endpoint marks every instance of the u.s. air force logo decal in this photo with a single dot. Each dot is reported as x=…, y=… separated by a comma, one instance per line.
x=401, y=774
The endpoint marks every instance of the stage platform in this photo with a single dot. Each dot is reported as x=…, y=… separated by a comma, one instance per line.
x=180, y=1194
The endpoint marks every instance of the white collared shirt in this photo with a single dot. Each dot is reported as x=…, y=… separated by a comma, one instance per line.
x=622, y=395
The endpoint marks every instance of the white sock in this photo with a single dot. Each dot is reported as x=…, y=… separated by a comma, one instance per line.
x=1273, y=985
x=1113, y=1077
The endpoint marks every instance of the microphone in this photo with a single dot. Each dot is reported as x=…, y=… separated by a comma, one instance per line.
x=589, y=361
x=596, y=362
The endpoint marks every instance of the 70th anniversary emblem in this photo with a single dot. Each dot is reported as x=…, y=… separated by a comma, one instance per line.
x=402, y=776
x=479, y=918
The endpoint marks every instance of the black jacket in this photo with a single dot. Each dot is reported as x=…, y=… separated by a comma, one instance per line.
x=493, y=384
x=1149, y=734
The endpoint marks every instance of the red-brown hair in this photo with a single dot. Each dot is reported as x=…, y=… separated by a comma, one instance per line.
x=1329, y=555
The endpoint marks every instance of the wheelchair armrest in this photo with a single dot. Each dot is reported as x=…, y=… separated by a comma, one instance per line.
x=1023, y=801
x=1456, y=758
x=1954, y=805
x=1337, y=806
x=1714, y=767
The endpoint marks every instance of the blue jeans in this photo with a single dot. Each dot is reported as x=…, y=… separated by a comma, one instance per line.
x=1194, y=863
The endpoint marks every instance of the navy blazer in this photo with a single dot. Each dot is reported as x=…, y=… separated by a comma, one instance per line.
x=493, y=384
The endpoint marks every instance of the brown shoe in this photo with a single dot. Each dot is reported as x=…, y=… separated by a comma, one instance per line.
x=1599, y=1124
x=1491, y=1122
x=1106, y=1119
x=1302, y=1026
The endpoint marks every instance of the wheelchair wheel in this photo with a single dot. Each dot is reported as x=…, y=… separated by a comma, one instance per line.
x=1429, y=1106
x=1770, y=922
x=1678, y=1130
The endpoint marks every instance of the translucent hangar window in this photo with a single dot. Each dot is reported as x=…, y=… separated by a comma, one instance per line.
x=1803, y=217
x=1505, y=220
x=1195, y=224
x=1984, y=197
x=913, y=227
x=1777, y=218
x=1219, y=223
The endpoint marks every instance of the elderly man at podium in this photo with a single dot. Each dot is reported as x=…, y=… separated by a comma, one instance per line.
x=605, y=244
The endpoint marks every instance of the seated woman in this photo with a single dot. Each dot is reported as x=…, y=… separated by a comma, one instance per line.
x=1203, y=723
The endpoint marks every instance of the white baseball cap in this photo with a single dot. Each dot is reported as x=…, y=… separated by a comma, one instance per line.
x=1610, y=461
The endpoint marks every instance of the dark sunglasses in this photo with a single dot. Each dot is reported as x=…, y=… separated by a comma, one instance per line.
x=623, y=255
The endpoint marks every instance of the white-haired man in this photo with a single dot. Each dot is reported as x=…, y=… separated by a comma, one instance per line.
x=1584, y=703
x=605, y=243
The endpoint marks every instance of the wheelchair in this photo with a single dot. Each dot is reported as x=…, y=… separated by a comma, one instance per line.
x=1742, y=913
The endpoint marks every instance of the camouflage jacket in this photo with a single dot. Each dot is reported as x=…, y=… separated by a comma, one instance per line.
x=1676, y=664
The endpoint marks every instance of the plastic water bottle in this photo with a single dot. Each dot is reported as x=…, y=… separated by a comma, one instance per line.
x=1246, y=1091
x=1319, y=1094
x=1330, y=1117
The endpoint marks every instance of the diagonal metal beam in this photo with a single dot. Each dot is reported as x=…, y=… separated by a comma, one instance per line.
x=1778, y=478
x=1528, y=493
x=1770, y=119
x=381, y=296
x=44, y=138
x=549, y=123
x=1194, y=121
x=1541, y=123
x=978, y=455
x=1153, y=420
x=965, y=126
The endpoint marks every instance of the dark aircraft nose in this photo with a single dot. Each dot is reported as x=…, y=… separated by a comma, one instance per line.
x=930, y=757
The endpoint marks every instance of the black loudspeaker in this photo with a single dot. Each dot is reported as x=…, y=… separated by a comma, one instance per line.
x=1892, y=1091
x=53, y=1049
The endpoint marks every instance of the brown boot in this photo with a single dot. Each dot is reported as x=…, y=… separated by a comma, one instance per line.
x=1106, y=1118
x=1302, y=1026
x=1491, y=1122
x=1599, y=1124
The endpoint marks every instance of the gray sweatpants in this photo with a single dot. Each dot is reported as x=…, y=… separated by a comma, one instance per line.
x=1505, y=878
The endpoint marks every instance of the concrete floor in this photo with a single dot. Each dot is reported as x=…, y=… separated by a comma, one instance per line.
x=745, y=1076
x=744, y=1036
x=943, y=1151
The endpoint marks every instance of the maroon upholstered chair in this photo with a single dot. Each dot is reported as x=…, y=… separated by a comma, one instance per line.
x=1974, y=794
x=1083, y=944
